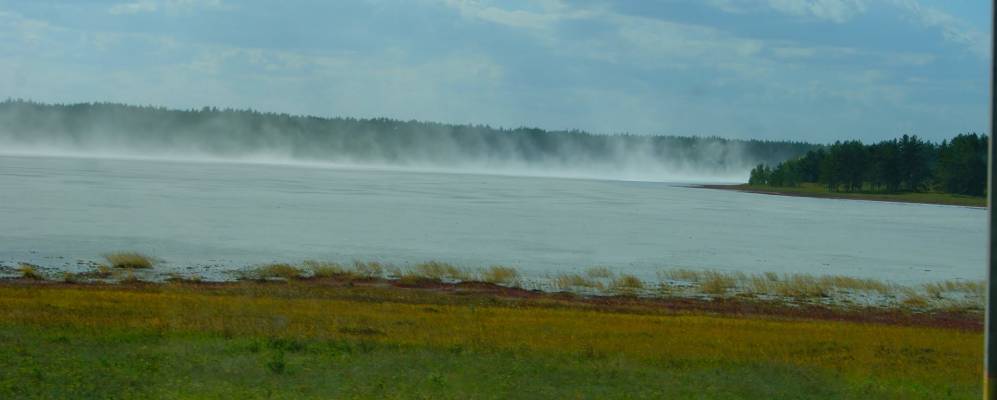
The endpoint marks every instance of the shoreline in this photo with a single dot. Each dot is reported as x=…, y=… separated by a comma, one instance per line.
x=732, y=305
x=968, y=202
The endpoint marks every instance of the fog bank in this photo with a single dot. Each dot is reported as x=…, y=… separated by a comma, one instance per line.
x=211, y=135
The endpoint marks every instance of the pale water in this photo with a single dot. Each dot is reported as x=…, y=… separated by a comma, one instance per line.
x=210, y=218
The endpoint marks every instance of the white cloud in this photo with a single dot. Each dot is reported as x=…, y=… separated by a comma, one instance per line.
x=952, y=29
x=169, y=6
x=837, y=11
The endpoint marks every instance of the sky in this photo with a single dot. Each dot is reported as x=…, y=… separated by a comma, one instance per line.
x=811, y=70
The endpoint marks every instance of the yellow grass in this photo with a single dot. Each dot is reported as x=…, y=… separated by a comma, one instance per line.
x=29, y=272
x=276, y=271
x=368, y=269
x=498, y=274
x=851, y=351
x=570, y=281
x=437, y=270
x=322, y=269
x=627, y=284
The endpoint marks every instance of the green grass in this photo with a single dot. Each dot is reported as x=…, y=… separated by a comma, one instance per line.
x=819, y=190
x=307, y=339
x=135, y=364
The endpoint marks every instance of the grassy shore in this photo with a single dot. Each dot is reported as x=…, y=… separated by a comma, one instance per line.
x=818, y=190
x=328, y=337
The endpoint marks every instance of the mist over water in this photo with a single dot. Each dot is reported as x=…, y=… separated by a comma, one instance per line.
x=118, y=131
x=219, y=217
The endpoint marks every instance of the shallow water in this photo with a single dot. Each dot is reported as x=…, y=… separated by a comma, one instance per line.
x=61, y=212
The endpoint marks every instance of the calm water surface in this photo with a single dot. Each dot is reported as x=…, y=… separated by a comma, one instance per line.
x=213, y=217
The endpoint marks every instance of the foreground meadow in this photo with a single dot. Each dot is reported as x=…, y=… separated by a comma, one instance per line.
x=325, y=338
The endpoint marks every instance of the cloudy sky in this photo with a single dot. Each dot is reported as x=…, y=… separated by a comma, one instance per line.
x=815, y=70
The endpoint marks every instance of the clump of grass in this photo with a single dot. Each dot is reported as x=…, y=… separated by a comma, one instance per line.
x=498, y=274
x=321, y=269
x=567, y=281
x=627, y=284
x=681, y=274
x=599, y=272
x=69, y=277
x=803, y=286
x=29, y=271
x=103, y=271
x=716, y=283
x=369, y=269
x=762, y=284
x=858, y=284
x=438, y=270
x=277, y=271
x=129, y=260
x=913, y=299
x=937, y=290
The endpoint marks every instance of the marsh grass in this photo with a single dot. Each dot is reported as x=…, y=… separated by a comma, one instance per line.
x=129, y=260
x=274, y=271
x=500, y=275
x=325, y=270
x=717, y=283
x=573, y=281
x=627, y=285
x=441, y=271
x=599, y=273
x=30, y=272
x=368, y=269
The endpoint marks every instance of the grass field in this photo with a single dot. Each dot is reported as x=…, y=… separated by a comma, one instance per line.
x=323, y=338
x=818, y=190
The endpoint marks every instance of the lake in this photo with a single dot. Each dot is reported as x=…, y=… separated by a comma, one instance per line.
x=212, y=217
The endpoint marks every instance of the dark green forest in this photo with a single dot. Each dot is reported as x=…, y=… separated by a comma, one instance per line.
x=906, y=164
x=228, y=132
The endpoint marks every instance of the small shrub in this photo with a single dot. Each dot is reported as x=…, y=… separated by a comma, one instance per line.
x=500, y=275
x=29, y=271
x=129, y=260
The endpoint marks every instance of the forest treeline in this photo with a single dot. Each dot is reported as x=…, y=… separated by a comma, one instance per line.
x=906, y=164
x=231, y=132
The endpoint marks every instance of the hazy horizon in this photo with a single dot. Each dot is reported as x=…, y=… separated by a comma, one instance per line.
x=810, y=70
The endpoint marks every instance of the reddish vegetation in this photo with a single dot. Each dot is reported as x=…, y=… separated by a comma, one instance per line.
x=478, y=292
